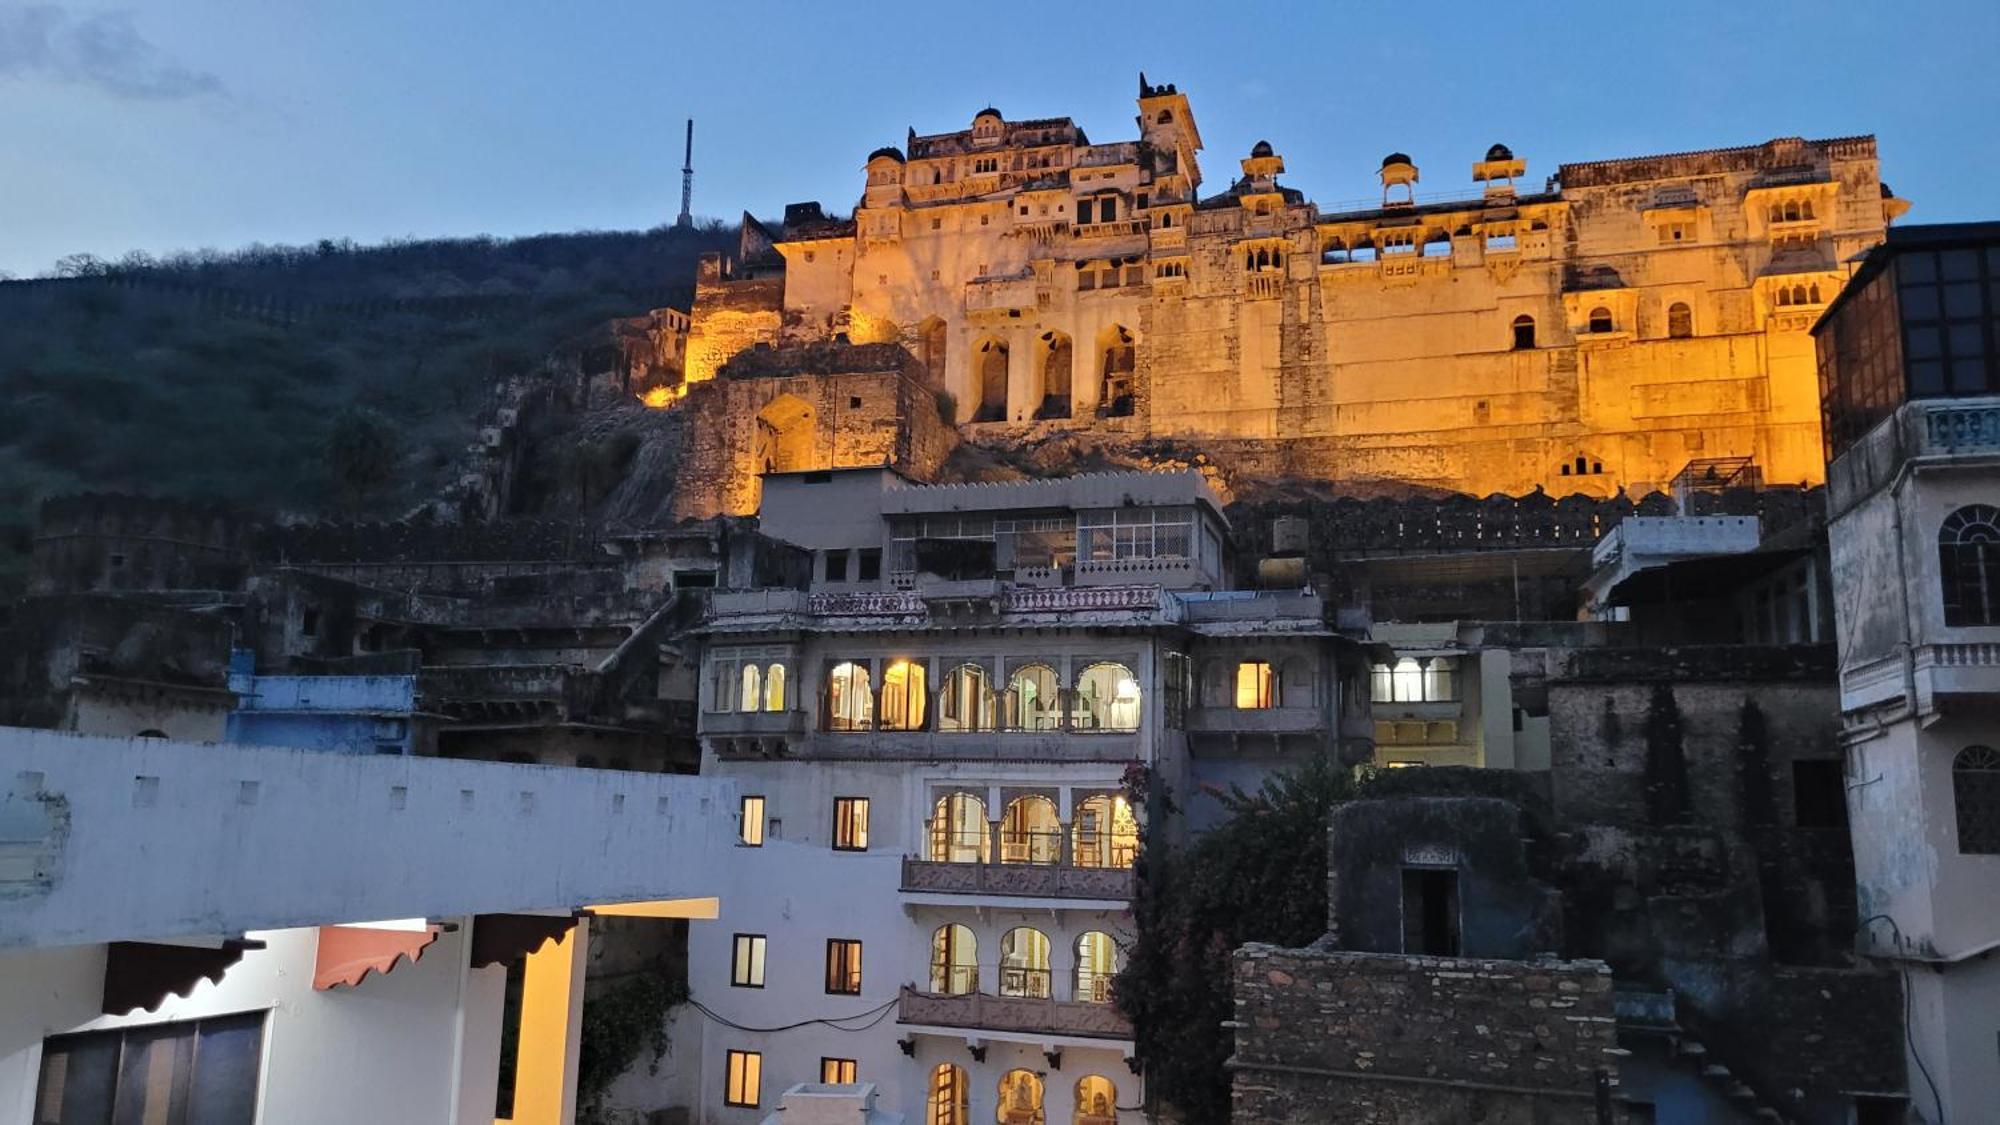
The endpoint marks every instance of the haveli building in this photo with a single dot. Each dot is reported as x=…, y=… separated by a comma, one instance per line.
x=1598, y=334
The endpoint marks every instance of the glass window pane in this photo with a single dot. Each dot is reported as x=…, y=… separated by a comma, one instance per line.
x=1968, y=340
x=1962, y=300
x=225, y=1077
x=77, y=1080
x=1927, y=377
x=1925, y=343
x=153, y=1074
x=1920, y=302
x=1968, y=376
x=1959, y=265
x=1917, y=267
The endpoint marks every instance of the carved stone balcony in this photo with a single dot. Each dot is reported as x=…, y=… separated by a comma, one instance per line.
x=1021, y=1014
x=754, y=724
x=1961, y=427
x=1027, y=880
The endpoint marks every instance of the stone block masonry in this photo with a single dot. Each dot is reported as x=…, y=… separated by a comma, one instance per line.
x=1369, y=1038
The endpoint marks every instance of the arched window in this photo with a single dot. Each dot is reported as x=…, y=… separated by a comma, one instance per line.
x=1975, y=791
x=1107, y=698
x=1096, y=1101
x=958, y=830
x=904, y=693
x=1166, y=116
x=954, y=961
x=1033, y=700
x=1105, y=833
x=1409, y=680
x=1020, y=1099
x=774, y=688
x=1058, y=363
x=1256, y=685
x=1524, y=333
x=1969, y=565
x=1096, y=964
x=850, y=697
x=990, y=364
x=950, y=1098
x=1680, y=320
x=1030, y=831
x=1024, y=963
x=1117, y=361
x=965, y=700
x=1813, y=292
x=1600, y=319
x=753, y=687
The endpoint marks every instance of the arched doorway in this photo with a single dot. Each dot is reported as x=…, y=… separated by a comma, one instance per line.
x=931, y=349
x=1030, y=831
x=1024, y=963
x=1117, y=364
x=1020, y=1099
x=989, y=363
x=785, y=435
x=1058, y=356
x=954, y=961
x=1096, y=1101
x=958, y=830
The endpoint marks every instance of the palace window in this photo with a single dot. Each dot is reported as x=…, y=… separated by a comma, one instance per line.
x=745, y=1079
x=1399, y=242
x=1680, y=320
x=949, y=1101
x=1524, y=333
x=850, y=698
x=1104, y=833
x=746, y=961
x=1096, y=964
x=1021, y=1098
x=1600, y=320
x=1096, y=1101
x=966, y=700
x=1030, y=831
x=958, y=830
x=1671, y=233
x=850, y=824
x=843, y=967
x=954, y=961
x=904, y=695
x=1032, y=701
x=774, y=688
x=753, y=688
x=1256, y=686
x=750, y=822
x=1410, y=680
x=1975, y=792
x=1107, y=698
x=837, y=1072
x=1969, y=565
x=1024, y=963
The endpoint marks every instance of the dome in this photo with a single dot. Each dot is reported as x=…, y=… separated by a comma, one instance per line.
x=1499, y=152
x=1397, y=158
x=989, y=111
x=1261, y=148
x=890, y=151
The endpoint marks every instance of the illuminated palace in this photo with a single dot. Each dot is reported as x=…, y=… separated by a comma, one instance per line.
x=1626, y=319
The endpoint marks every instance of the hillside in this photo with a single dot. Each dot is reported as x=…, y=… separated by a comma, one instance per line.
x=224, y=376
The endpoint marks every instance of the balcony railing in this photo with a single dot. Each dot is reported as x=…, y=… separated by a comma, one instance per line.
x=1256, y=720
x=1070, y=599
x=1957, y=427
x=1026, y=880
x=1027, y=1014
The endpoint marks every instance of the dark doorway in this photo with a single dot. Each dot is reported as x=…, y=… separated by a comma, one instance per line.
x=1430, y=911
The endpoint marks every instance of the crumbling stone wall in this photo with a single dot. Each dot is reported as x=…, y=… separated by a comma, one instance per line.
x=1369, y=1038
x=729, y=316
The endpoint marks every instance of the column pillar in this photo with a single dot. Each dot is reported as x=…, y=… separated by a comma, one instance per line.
x=551, y=1027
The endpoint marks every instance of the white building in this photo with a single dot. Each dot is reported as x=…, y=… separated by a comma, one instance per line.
x=192, y=933
x=942, y=750
x=1912, y=384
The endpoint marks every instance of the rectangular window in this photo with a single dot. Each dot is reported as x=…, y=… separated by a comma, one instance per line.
x=850, y=824
x=746, y=1079
x=750, y=822
x=1083, y=211
x=843, y=967
x=836, y=566
x=1256, y=686
x=201, y=1070
x=746, y=961
x=837, y=1072
x=870, y=566
x=1819, y=794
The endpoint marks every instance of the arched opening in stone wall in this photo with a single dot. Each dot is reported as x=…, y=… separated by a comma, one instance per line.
x=1117, y=361
x=989, y=363
x=1058, y=357
x=931, y=348
x=785, y=431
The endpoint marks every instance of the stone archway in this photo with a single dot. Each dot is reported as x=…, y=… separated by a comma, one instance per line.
x=989, y=365
x=786, y=436
x=1058, y=364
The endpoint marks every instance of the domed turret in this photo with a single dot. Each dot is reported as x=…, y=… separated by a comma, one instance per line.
x=1499, y=152
x=1261, y=148
x=1396, y=158
x=890, y=152
x=1399, y=171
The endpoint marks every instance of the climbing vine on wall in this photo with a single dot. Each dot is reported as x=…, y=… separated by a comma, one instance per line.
x=621, y=1023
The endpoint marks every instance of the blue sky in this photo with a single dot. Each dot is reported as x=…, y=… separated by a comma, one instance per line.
x=171, y=124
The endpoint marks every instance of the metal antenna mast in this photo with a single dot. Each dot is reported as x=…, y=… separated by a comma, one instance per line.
x=687, y=180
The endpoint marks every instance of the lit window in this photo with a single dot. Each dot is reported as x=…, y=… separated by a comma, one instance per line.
x=750, y=822
x=1096, y=1100
x=1600, y=320
x=850, y=824
x=746, y=1079
x=1975, y=792
x=1107, y=698
x=1105, y=833
x=1969, y=565
x=1020, y=1096
x=965, y=701
x=1033, y=701
x=950, y=1099
x=753, y=688
x=1096, y=964
x=1024, y=963
x=1030, y=831
x=903, y=696
x=774, y=688
x=746, y=961
x=850, y=698
x=843, y=967
x=954, y=961
x=837, y=1072
x=1256, y=686
x=958, y=830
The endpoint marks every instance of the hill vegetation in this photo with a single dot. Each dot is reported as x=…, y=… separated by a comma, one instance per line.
x=322, y=379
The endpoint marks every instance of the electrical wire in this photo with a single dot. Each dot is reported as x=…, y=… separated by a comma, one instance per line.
x=834, y=1022
x=1909, y=1038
